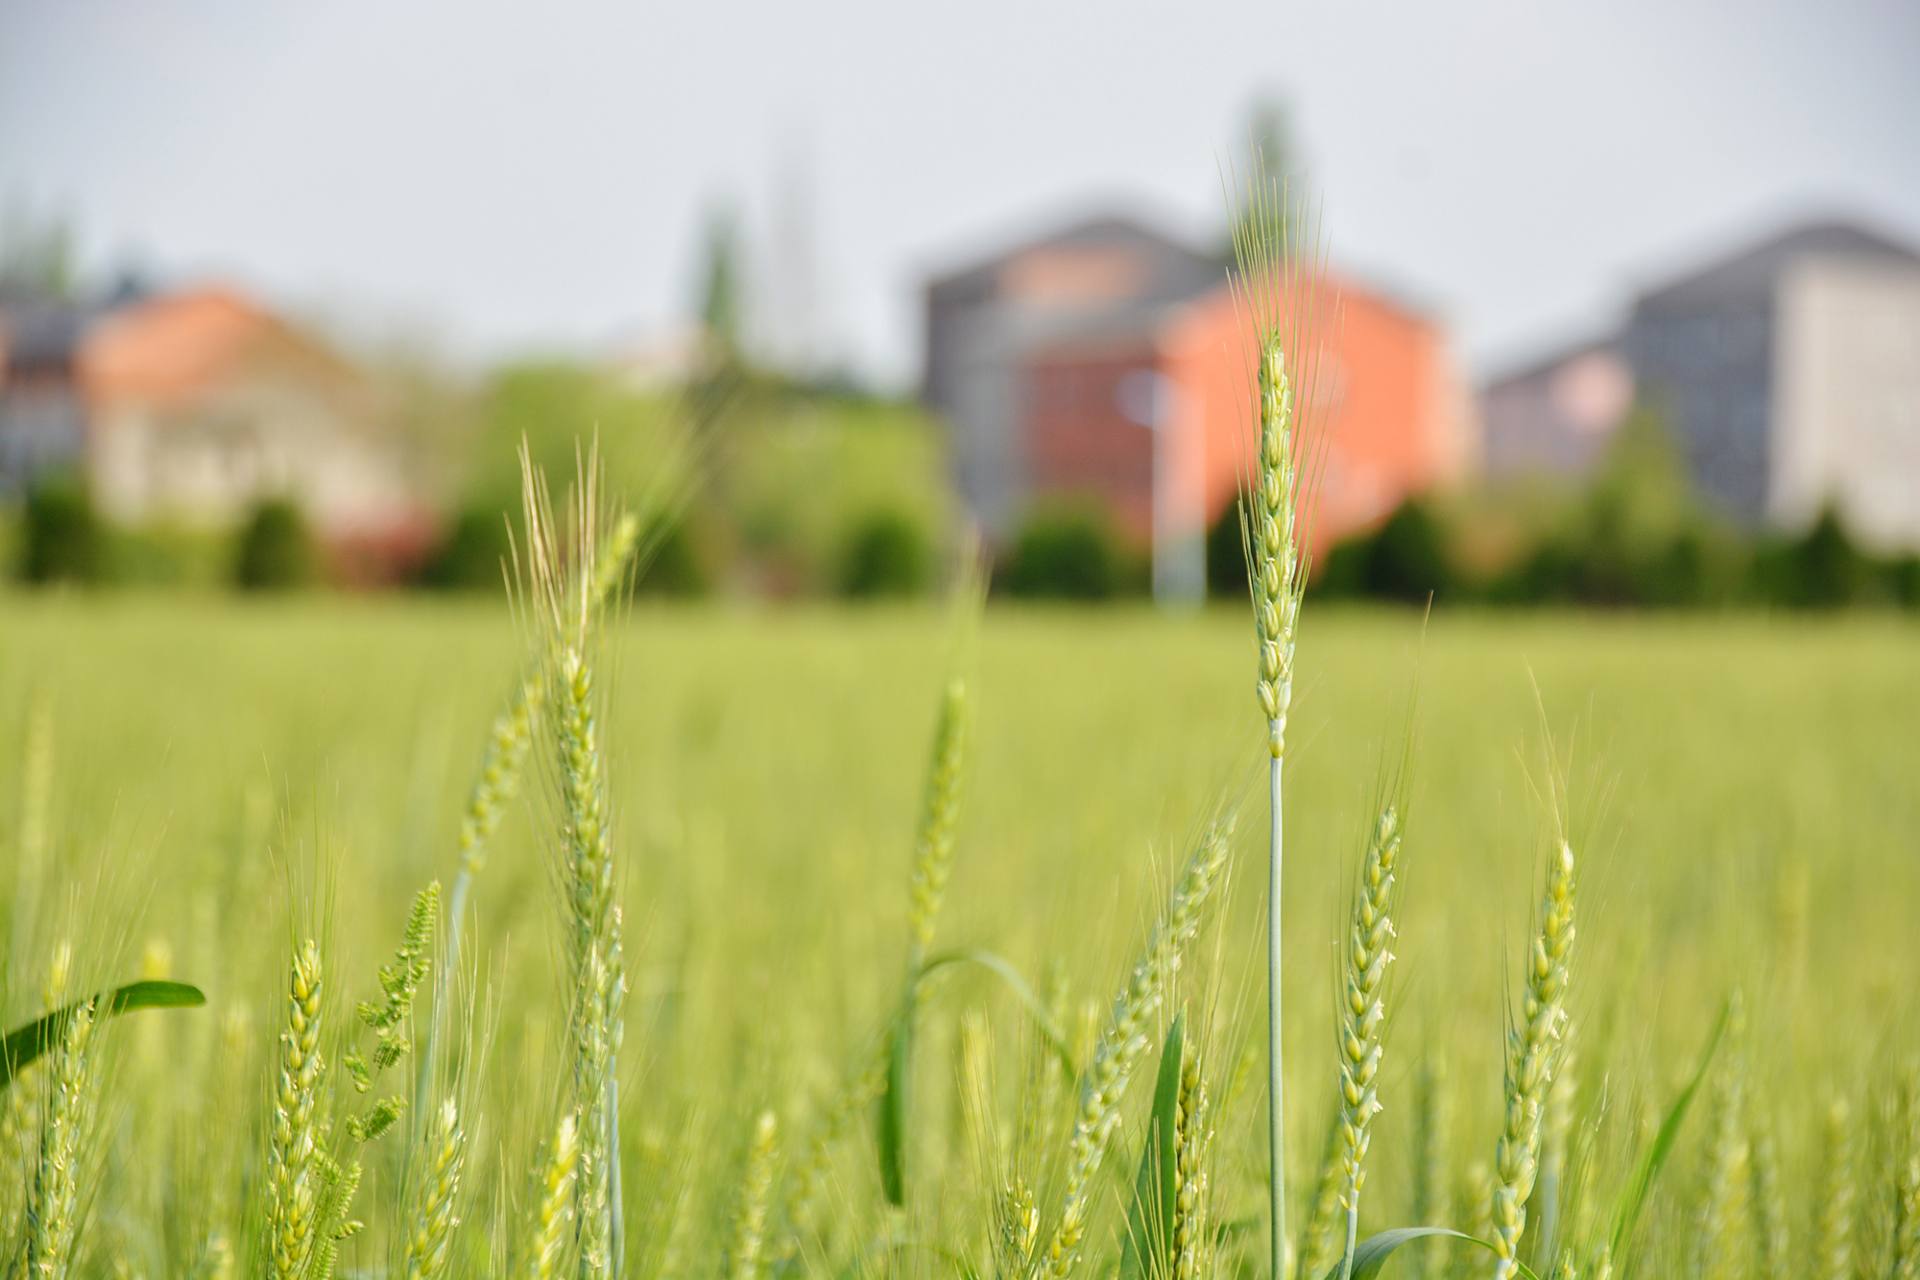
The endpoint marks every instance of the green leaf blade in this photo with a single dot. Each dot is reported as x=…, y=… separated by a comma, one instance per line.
x=25, y=1043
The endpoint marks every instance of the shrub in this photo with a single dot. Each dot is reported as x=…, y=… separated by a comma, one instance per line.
x=1227, y=556
x=1903, y=581
x=1821, y=569
x=276, y=552
x=470, y=557
x=1069, y=555
x=1407, y=558
x=886, y=554
x=60, y=540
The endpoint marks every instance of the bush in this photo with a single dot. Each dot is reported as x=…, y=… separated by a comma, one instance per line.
x=60, y=540
x=1903, y=581
x=276, y=553
x=887, y=554
x=471, y=556
x=1407, y=558
x=1227, y=556
x=1821, y=569
x=1070, y=555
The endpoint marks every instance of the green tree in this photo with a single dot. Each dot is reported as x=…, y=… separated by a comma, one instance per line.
x=721, y=287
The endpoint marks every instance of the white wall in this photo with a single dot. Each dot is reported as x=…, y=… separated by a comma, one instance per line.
x=1847, y=399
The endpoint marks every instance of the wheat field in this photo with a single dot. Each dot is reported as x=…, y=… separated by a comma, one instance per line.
x=194, y=788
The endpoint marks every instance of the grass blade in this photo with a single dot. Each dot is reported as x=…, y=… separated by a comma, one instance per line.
x=24, y=1044
x=1633, y=1197
x=1005, y=970
x=1373, y=1252
x=1149, y=1244
x=890, y=1133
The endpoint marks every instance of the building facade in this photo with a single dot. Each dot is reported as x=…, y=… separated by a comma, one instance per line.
x=1789, y=374
x=1109, y=363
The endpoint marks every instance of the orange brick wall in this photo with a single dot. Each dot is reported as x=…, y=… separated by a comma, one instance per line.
x=1382, y=405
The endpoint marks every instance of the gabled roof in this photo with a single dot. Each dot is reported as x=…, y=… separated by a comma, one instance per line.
x=1178, y=268
x=1752, y=270
x=1545, y=362
x=174, y=347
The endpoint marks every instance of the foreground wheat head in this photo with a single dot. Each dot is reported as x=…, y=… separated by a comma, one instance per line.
x=1275, y=285
x=1363, y=1009
x=565, y=583
x=1124, y=1041
x=293, y=1176
x=1533, y=1054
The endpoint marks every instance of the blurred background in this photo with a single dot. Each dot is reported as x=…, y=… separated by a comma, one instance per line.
x=1628, y=296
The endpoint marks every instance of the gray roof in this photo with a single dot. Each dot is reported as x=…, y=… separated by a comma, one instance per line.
x=1548, y=361
x=1753, y=269
x=1179, y=270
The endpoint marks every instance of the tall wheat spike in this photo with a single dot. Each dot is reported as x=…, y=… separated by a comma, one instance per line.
x=562, y=575
x=1277, y=281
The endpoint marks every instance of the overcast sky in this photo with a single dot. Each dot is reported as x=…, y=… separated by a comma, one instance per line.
x=512, y=176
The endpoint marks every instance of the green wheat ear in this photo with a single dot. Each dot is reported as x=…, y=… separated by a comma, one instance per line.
x=1533, y=1056
x=434, y=1217
x=293, y=1175
x=1363, y=1010
x=1276, y=278
x=1118, y=1051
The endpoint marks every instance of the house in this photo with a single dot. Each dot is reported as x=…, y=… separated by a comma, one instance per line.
x=42, y=404
x=1789, y=373
x=200, y=404
x=1556, y=414
x=1107, y=361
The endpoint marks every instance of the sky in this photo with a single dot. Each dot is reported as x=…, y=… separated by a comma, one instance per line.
x=502, y=178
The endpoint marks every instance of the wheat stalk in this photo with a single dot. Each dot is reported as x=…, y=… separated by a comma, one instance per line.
x=1275, y=297
x=1833, y=1241
x=1193, y=1143
x=1119, y=1049
x=744, y=1260
x=1429, y=1190
x=939, y=816
x=292, y=1177
x=434, y=1216
x=54, y=1200
x=556, y=1202
x=1722, y=1235
x=1363, y=1012
x=1773, y=1243
x=1532, y=1058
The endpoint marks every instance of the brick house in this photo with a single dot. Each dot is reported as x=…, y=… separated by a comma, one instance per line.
x=1108, y=362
